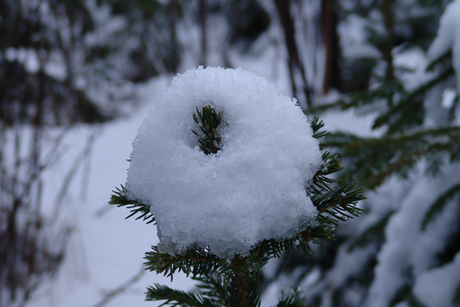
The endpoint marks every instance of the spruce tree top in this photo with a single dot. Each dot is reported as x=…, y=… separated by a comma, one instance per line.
x=232, y=174
x=224, y=161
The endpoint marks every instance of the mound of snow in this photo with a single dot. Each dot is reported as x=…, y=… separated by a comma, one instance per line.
x=448, y=37
x=253, y=189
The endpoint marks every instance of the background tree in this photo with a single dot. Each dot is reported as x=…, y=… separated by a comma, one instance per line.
x=59, y=66
x=409, y=234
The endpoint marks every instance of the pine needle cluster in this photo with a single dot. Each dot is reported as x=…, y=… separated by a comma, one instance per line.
x=209, y=121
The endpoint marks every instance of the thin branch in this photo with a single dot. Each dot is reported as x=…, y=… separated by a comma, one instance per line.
x=122, y=288
x=75, y=167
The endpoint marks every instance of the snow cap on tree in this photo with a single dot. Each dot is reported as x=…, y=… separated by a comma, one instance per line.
x=251, y=188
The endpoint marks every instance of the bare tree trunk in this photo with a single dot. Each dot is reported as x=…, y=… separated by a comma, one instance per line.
x=332, y=78
x=173, y=9
x=299, y=80
x=387, y=12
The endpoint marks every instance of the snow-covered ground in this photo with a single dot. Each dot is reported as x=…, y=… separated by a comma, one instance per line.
x=105, y=250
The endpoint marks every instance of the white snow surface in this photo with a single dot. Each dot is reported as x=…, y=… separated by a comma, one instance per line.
x=399, y=252
x=448, y=37
x=253, y=189
x=437, y=286
x=104, y=251
x=353, y=35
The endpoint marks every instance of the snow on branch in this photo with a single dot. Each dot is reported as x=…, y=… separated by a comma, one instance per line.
x=253, y=185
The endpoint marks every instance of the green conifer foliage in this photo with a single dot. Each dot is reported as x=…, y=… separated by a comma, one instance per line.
x=208, y=120
x=407, y=147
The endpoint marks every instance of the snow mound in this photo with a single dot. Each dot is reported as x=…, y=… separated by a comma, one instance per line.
x=448, y=37
x=253, y=189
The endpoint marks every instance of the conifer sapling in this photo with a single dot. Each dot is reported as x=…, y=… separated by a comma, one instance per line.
x=232, y=174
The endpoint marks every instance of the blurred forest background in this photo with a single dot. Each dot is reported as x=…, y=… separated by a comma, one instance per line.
x=66, y=64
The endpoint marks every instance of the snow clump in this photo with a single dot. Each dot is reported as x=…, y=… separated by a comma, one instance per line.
x=253, y=189
x=448, y=37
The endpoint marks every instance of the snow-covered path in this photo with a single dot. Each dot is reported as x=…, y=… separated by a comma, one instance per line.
x=105, y=250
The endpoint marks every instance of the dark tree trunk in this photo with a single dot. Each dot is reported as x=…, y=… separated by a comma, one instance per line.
x=295, y=65
x=173, y=16
x=332, y=76
x=387, y=12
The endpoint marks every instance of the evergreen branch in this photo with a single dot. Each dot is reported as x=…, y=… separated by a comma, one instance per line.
x=421, y=90
x=340, y=198
x=316, y=125
x=330, y=166
x=174, y=297
x=244, y=265
x=119, y=199
x=208, y=120
x=406, y=294
x=337, y=199
x=438, y=206
x=296, y=299
x=446, y=57
x=373, y=160
x=243, y=288
x=195, y=261
x=241, y=271
x=361, y=98
x=238, y=290
x=368, y=235
x=405, y=114
x=274, y=248
x=215, y=286
x=409, y=110
x=456, y=299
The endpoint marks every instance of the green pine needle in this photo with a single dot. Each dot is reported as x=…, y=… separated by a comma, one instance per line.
x=295, y=299
x=174, y=297
x=209, y=121
x=142, y=211
x=214, y=286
